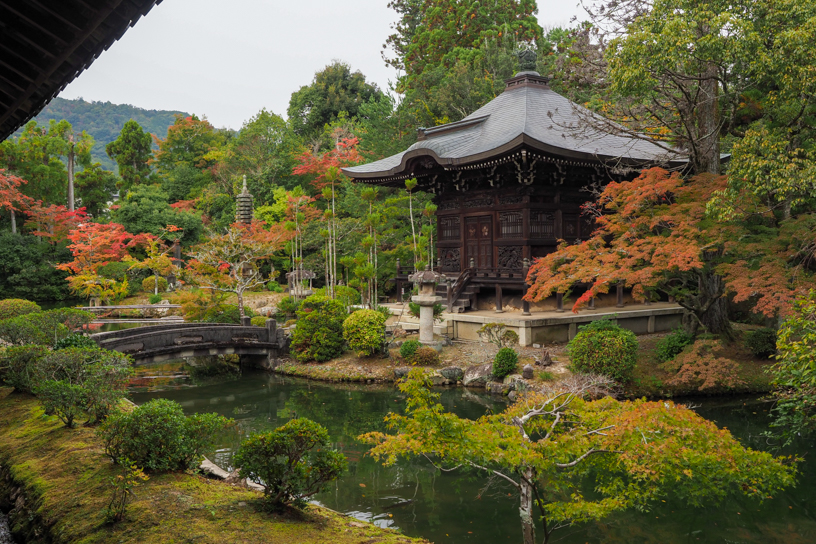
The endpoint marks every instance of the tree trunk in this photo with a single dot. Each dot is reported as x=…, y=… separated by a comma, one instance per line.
x=13, y=222
x=240, y=305
x=71, y=174
x=526, y=506
x=708, y=123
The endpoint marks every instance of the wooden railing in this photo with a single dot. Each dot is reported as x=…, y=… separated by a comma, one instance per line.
x=458, y=286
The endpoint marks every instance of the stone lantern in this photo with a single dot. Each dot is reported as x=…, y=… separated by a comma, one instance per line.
x=426, y=280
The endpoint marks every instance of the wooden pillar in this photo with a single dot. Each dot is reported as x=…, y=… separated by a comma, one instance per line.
x=525, y=306
x=559, y=302
x=499, y=299
x=591, y=304
x=620, y=295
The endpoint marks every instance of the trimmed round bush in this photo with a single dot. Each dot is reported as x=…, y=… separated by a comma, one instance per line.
x=408, y=348
x=670, y=346
x=258, y=321
x=761, y=342
x=158, y=437
x=149, y=284
x=505, y=362
x=286, y=307
x=274, y=287
x=15, y=307
x=293, y=462
x=62, y=398
x=19, y=366
x=602, y=347
x=425, y=356
x=364, y=331
x=349, y=296
x=76, y=340
x=318, y=334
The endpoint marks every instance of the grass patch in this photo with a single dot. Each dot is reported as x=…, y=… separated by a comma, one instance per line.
x=65, y=476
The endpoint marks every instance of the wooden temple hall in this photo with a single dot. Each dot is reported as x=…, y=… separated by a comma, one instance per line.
x=509, y=181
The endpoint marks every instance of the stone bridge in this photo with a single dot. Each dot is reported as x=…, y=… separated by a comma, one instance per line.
x=257, y=346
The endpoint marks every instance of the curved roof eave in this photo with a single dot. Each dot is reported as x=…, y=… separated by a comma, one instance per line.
x=510, y=146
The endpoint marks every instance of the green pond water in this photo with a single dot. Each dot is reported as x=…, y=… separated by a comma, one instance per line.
x=451, y=508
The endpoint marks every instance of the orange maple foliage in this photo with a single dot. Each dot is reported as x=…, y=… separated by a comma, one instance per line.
x=10, y=196
x=646, y=228
x=344, y=154
x=653, y=234
x=94, y=245
x=54, y=222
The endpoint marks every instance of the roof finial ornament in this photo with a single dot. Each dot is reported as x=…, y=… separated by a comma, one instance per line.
x=527, y=60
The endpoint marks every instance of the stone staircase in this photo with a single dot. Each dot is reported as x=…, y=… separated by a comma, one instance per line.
x=466, y=299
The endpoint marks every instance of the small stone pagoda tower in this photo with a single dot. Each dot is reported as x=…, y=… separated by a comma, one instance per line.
x=243, y=206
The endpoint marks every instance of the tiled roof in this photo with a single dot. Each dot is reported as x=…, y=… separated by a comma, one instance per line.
x=528, y=112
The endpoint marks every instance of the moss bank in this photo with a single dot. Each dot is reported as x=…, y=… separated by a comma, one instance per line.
x=57, y=480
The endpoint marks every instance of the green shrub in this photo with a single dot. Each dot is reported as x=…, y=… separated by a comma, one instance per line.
x=227, y=313
x=15, y=307
x=670, y=346
x=149, y=284
x=385, y=311
x=19, y=366
x=349, y=296
x=425, y=356
x=603, y=347
x=318, y=334
x=154, y=299
x=158, y=437
x=408, y=348
x=258, y=321
x=498, y=334
x=121, y=271
x=287, y=306
x=105, y=383
x=31, y=329
x=364, y=330
x=761, y=342
x=505, y=362
x=413, y=310
x=62, y=398
x=274, y=287
x=293, y=462
x=76, y=340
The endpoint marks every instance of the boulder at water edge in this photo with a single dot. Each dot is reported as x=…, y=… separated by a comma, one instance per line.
x=477, y=375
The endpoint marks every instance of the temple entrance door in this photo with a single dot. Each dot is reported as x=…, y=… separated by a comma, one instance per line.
x=479, y=240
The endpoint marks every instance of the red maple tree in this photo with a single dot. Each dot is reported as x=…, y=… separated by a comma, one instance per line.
x=11, y=198
x=654, y=235
x=94, y=245
x=54, y=222
x=319, y=165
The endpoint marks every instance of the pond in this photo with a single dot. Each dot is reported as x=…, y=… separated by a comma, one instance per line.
x=449, y=507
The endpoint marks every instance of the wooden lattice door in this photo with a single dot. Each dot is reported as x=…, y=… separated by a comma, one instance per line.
x=479, y=240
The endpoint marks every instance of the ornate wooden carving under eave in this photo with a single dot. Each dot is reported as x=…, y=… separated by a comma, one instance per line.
x=525, y=168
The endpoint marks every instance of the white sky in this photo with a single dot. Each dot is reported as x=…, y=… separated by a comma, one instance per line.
x=227, y=59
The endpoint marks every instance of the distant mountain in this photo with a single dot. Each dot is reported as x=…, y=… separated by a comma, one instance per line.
x=104, y=121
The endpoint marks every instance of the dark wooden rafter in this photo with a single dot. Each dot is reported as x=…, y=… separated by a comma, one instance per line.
x=46, y=44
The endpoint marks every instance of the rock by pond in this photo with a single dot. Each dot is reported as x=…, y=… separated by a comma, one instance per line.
x=477, y=375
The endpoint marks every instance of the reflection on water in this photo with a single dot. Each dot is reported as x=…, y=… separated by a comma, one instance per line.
x=458, y=507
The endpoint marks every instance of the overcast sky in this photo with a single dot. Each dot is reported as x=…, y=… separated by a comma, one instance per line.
x=228, y=59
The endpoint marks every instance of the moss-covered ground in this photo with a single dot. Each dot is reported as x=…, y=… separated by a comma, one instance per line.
x=66, y=478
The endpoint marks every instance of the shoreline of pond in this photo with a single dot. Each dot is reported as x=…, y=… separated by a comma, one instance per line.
x=338, y=372
x=54, y=485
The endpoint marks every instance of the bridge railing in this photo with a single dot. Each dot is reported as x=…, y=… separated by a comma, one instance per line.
x=143, y=341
